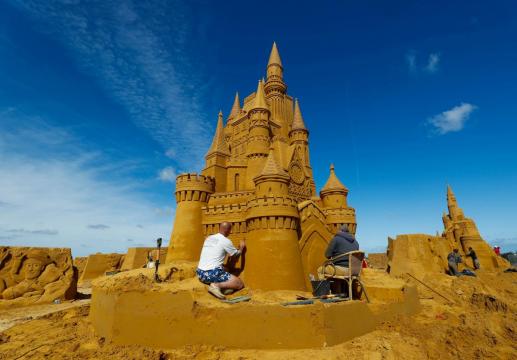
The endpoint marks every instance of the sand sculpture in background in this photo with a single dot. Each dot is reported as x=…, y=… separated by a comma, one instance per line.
x=258, y=176
x=36, y=275
x=377, y=260
x=420, y=253
x=137, y=257
x=464, y=233
x=99, y=264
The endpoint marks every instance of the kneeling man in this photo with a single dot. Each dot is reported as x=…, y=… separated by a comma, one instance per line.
x=210, y=268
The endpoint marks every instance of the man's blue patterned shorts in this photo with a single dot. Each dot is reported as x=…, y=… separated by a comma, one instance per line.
x=216, y=275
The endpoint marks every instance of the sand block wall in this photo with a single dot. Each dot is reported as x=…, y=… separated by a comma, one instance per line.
x=31, y=275
x=377, y=260
x=80, y=263
x=129, y=308
x=98, y=264
x=418, y=254
x=136, y=257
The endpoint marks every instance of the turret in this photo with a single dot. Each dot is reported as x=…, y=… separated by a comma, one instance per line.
x=275, y=73
x=273, y=180
x=299, y=135
x=334, y=193
x=334, y=197
x=192, y=193
x=259, y=135
x=272, y=223
x=455, y=211
x=236, y=109
x=217, y=157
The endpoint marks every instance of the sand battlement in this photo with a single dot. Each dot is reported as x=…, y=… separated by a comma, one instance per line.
x=194, y=181
x=229, y=197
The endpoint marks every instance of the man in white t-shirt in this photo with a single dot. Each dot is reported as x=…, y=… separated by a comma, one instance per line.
x=210, y=268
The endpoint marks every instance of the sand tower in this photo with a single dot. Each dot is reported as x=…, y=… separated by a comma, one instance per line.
x=463, y=233
x=258, y=176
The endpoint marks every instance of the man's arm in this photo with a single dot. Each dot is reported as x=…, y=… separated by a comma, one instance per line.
x=232, y=251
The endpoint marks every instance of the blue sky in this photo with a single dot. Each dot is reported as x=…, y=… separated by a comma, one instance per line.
x=102, y=103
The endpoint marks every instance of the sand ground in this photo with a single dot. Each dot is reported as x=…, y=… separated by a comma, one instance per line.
x=480, y=322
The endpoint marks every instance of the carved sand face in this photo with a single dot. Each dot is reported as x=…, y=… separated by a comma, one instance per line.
x=33, y=269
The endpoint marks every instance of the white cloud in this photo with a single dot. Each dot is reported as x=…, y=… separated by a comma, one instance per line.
x=171, y=153
x=453, y=119
x=55, y=200
x=138, y=53
x=167, y=174
x=432, y=63
x=430, y=67
x=411, y=61
x=98, y=226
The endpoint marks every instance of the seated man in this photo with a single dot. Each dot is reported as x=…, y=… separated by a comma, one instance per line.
x=453, y=259
x=210, y=268
x=342, y=243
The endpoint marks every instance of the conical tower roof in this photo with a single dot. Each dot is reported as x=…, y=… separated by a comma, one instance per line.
x=451, y=198
x=333, y=183
x=298, y=123
x=259, y=102
x=218, y=143
x=274, y=56
x=272, y=169
x=236, y=108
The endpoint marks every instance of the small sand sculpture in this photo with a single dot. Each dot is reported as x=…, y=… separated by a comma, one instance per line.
x=36, y=275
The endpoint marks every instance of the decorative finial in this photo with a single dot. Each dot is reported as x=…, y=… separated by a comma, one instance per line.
x=236, y=107
x=259, y=102
x=298, y=123
x=274, y=57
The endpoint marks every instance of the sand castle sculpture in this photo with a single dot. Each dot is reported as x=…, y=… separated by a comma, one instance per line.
x=36, y=275
x=422, y=253
x=258, y=176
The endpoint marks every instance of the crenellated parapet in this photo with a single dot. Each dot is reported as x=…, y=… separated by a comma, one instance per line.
x=239, y=229
x=217, y=214
x=194, y=187
x=230, y=197
x=339, y=217
x=268, y=206
x=272, y=223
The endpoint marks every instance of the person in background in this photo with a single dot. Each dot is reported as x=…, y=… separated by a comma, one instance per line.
x=453, y=259
x=475, y=261
x=497, y=250
x=210, y=268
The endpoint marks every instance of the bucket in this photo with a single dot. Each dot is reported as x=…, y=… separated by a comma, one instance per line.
x=320, y=287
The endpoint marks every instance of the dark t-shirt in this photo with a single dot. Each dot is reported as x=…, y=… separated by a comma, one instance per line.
x=472, y=254
x=341, y=243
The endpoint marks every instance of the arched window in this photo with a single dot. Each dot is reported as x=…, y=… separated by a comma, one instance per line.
x=236, y=182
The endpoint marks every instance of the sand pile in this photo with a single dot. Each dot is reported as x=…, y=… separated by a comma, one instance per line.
x=482, y=323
